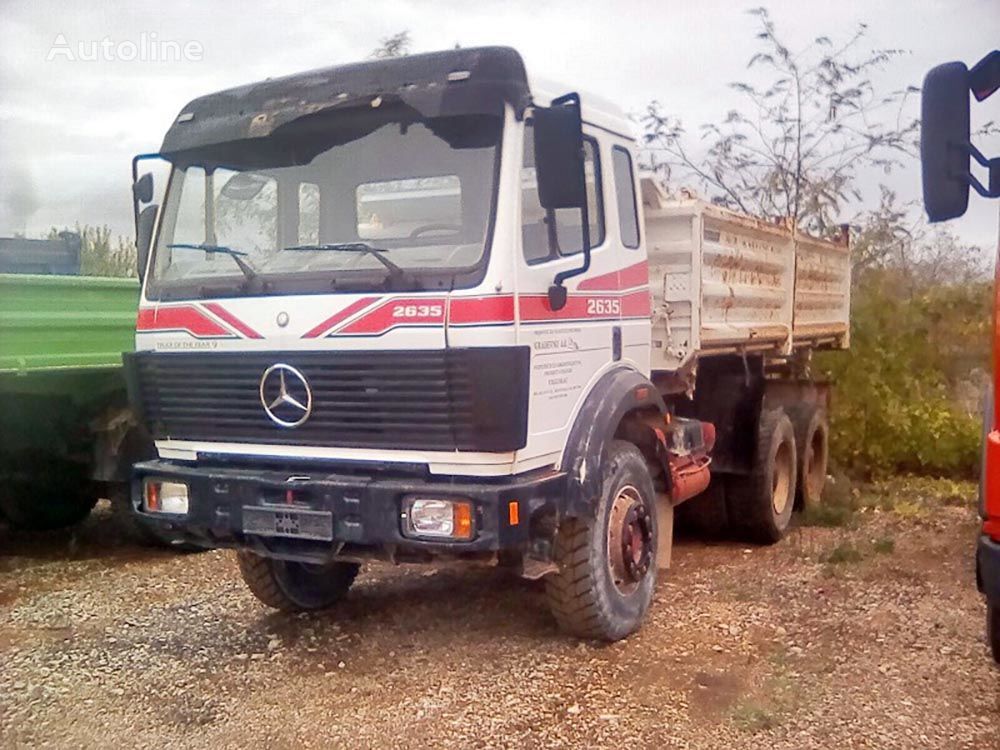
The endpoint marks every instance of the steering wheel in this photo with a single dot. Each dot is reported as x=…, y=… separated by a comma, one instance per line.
x=435, y=228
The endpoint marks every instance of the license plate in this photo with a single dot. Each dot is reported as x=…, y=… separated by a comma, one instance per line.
x=292, y=523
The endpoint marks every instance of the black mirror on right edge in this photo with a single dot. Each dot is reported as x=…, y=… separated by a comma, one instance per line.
x=944, y=141
x=946, y=151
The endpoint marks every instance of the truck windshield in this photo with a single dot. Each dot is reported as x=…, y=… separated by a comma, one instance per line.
x=408, y=204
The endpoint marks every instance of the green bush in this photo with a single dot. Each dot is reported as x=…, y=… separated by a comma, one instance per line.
x=895, y=407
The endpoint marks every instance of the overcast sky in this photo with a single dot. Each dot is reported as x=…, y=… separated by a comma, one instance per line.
x=69, y=127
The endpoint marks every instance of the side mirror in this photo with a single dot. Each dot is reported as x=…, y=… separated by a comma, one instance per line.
x=561, y=175
x=142, y=188
x=559, y=154
x=142, y=193
x=144, y=237
x=945, y=145
x=944, y=141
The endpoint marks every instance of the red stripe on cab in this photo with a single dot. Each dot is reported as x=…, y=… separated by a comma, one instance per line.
x=625, y=278
x=481, y=310
x=407, y=311
x=339, y=317
x=232, y=320
x=636, y=304
x=179, y=318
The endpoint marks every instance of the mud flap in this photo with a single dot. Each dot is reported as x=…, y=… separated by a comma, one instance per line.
x=665, y=531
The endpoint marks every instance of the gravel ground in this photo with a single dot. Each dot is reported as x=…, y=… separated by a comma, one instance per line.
x=869, y=635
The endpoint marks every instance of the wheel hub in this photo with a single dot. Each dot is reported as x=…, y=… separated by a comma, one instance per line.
x=630, y=540
x=782, y=490
x=636, y=537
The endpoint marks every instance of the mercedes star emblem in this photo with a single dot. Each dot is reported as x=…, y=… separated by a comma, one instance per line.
x=285, y=395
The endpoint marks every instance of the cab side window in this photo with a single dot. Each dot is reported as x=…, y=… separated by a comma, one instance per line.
x=559, y=233
x=628, y=215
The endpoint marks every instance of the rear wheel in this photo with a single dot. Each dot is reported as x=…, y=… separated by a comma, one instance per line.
x=812, y=441
x=607, y=563
x=993, y=628
x=294, y=586
x=760, y=505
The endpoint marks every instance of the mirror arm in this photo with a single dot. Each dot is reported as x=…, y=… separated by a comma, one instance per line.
x=993, y=165
x=978, y=156
x=584, y=217
x=993, y=191
x=585, y=232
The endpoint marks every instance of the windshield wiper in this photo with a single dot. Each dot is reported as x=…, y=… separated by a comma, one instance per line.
x=355, y=247
x=237, y=255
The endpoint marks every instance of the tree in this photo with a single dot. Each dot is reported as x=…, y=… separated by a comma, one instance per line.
x=396, y=45
x=810, y=125
x=888, y=238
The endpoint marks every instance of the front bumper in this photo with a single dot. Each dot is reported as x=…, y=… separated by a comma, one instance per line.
x=988, y=567
x=366, y=509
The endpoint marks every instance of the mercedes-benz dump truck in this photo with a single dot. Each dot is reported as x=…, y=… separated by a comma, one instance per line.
x=425, y=308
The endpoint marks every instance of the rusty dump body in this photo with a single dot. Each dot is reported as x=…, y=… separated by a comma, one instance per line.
x=725, y=283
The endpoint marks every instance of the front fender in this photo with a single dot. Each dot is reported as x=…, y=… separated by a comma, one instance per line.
x=616, y=394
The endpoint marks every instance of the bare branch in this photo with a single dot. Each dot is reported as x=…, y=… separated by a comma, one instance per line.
x=812, y=120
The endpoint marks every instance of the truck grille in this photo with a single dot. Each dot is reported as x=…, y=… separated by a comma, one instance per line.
x=444, y=400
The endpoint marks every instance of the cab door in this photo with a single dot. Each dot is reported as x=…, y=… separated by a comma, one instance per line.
x=572, y=346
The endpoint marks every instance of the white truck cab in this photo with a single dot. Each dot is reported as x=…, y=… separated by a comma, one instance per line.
x=403, y=309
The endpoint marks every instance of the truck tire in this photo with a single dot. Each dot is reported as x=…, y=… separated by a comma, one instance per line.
x=45, y=497
x=760, y=505
x=812, y=440
x=993, y=628
x=705, y=515
x=607, y=563
x=294, y=586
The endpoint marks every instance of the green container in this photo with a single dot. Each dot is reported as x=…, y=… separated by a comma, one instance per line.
x=65, y=323
x=61, y=380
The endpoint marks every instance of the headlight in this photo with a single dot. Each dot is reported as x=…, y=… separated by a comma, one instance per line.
x=440, y=518
x=165, y=497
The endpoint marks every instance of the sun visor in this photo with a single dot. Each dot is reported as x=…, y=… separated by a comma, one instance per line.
x=445, y=85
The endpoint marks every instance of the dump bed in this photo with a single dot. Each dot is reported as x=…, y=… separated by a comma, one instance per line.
x=722, y=282
x=62, y=323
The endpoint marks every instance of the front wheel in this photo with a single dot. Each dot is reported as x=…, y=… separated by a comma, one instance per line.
x=294, y=586
x=607, y=563
x=993, y=628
